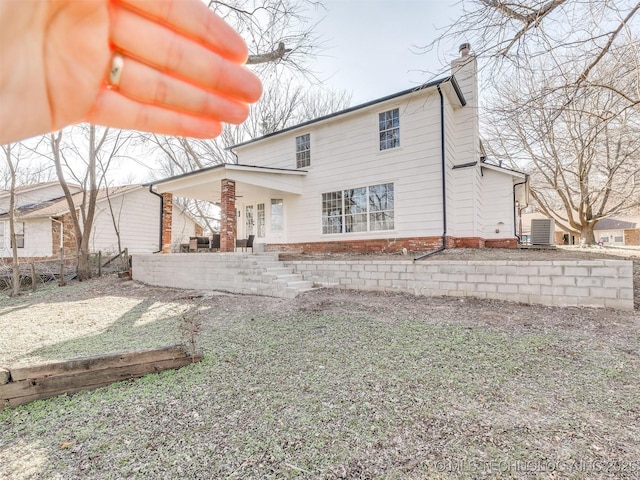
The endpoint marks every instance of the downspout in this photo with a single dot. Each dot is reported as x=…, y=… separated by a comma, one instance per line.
x=161, y=216
x=515, y=225
x=444, y=182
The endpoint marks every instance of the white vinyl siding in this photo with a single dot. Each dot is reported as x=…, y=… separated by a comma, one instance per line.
x=137, y=214
x=498, y=192
x=347, y=149
x=346, y=155
x=37, y=238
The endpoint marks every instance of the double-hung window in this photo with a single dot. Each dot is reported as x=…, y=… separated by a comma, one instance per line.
x=260, y=220
x=389, y=128
x=363, y=209
x=19, y=231
x=277, y=215
x=303, y=151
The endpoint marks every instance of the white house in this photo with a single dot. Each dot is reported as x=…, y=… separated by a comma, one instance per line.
x=44, y=226
x=403, y=171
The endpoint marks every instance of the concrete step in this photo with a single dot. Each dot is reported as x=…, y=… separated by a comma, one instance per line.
x=280, y=271
x=301, y=285
x=293, y=277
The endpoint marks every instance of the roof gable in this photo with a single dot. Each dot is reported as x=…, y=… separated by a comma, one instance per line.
x=436, y=83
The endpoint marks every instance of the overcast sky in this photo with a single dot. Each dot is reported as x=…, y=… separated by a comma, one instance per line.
x=370, y=45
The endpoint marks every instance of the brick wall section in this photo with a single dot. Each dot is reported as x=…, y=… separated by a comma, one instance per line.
x=632, y=237
x=390, y=245
x=228, y=216
x=69, y=243
x=597, y=283
x=167, y=222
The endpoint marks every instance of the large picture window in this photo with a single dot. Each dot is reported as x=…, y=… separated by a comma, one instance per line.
x=364, y=209
x=303, y=151
x=389, y=126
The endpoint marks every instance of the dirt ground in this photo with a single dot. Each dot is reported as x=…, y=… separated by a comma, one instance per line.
x=330, y=385
x=92, y=306
x=487, y=254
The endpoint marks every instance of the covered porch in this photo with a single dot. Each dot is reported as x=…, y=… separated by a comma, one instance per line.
x=222, y=185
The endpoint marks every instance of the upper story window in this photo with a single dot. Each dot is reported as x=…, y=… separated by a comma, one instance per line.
x=389, y=126
x=303, y=151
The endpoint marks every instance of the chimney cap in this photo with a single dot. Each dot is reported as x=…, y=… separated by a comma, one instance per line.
x=464, y=49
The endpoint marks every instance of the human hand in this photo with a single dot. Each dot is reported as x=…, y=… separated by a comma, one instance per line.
x=182, y=72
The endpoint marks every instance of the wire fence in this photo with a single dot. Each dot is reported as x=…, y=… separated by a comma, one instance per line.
x=63, y=269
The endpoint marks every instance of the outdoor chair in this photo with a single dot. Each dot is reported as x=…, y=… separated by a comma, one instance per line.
x=215, y=242
x=197, y=244
x=245, y=243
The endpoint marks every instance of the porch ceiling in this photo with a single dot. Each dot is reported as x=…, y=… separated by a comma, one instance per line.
x=205, y=184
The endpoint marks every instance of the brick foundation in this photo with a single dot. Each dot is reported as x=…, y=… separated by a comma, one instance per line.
x=501, y=243
x=391, y=245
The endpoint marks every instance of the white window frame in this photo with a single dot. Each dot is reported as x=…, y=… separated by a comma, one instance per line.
x=389, y=129
x=277, y=215
x=303, y=151
x=3, y=235
x=260, y=220
x=339, y=218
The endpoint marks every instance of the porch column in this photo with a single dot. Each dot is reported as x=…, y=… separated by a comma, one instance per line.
x=167, y=221
x=228, y=216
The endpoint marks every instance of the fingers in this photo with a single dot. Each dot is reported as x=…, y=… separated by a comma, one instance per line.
x=193, y=19
x=147, y=85
x=173, y=54
x=115, y=110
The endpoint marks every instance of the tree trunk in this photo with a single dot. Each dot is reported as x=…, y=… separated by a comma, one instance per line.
x=587, y=236
x=84, y=266
x=15, y=278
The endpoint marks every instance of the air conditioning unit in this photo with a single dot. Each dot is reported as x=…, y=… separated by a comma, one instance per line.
x=542, y=230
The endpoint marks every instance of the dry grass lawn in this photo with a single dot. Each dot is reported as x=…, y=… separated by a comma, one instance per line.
x=329, y=385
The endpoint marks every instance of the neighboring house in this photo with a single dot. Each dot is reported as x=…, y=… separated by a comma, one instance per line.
x=608, y=231
x=44, y=225
x=403, y=171
x=617, y=232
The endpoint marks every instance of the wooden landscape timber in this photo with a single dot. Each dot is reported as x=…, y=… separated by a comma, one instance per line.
x=29, y=383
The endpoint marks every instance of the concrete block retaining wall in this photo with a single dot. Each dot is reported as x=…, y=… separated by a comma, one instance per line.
x=595, y=283
x=229, y=272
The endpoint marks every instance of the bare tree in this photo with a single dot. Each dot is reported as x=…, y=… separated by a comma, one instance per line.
x=284, y=103
x=584, y=156
x=510, y=33
x=277, y=31
x=12, y=164
x=88, y=169
x=561, y=94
